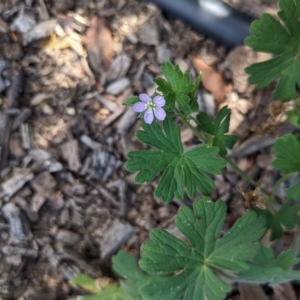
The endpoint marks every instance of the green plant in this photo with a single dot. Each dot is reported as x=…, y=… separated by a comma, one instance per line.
x=204, y=265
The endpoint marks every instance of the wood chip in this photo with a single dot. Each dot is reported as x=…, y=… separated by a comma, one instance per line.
x=148, y=33
x=17, y=221
x=117, y=234
x=163, y=54
x=284, y=291
x=104, y=165
x=43, y=183
x=250, y=291
x=26, y=142
x=118, y=68
x=127, y=120
x=12, y=250
x=41, y=30
x=118, y=86
x=67, y=237
x=16, y=182
x=21, y=118
x=44, y=160
x=253, y=145
x=86, y=140
x=70, y=153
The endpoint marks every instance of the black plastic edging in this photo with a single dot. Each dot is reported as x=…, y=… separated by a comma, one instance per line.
x=211, y=18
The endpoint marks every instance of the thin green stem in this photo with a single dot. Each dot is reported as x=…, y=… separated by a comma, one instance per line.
x=244, y=175
x=204, y=139
x=279, y=182
x=198, y=134
x=241, y=172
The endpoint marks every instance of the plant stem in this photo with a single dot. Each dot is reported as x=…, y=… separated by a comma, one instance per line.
x=241, y=172
x=279, y=182
x=198, y=134
x=204, y=139
x=244, y=175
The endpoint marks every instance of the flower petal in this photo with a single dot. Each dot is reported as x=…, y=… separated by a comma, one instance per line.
x=145, y=97
x=139, y=107
x=148, y=116
x=159, y=100
x=159, y=113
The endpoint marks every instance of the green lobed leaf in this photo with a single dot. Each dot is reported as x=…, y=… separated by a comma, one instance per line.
x=191, y=271
x=293, y=117
x=281, y=39
x=193, y=94
x=286, y=216
x=131, y=101
x=286, y=151
x=265, y=268
x=110, y=292
x=85, y=282
x=126, y=266
x=176, y=87
x=180, y=169
x=218, y=129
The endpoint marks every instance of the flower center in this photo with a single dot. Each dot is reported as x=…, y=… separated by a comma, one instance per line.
x=150, y=104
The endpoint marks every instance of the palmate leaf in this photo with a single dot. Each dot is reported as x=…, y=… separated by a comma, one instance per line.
x=180, y=169
x=109, y=292
x=176, y=87
x=287, y=159
x=283, y=40
x=286, y=216
x=267, y=269
x=134, y=278
x=218, y=129
x=191, y=271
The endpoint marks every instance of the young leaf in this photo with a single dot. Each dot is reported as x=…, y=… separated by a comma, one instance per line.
x=131, y=101
x=286, y=151
x=193, y=94
x=286, y=216
x=125, y=265
x=281, y=39
x=191, y=271
x=180, y=169
x=267, y=269
x=176, y=87
x=110, y=292
x=86, y=283
x=218, y=129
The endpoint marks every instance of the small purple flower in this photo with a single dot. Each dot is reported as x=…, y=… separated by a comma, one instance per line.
x=151, y=108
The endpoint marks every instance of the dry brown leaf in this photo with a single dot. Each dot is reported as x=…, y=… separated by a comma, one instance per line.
x=211, y=79
x=100, y=45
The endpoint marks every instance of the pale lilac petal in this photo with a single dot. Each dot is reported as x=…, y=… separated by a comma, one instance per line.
x=159, y=101
x=139, y=107
x=148, y=116
x=159, y=113
x=145, y=97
